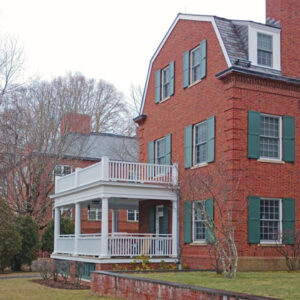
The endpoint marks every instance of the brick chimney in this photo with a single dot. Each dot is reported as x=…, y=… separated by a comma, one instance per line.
x=73, y=122
x=288, y=13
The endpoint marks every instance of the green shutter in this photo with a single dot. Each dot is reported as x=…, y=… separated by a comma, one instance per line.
x=288, y=221
x=288, y=138
x=165, y=221
x=209, y=208
x=253, y=220
x=187, y=222
x=210, y=139
x=168, y=149
x=188, y=146
x=151, y=219
x=151, y=152
x=186, y=69
x=172, y=78
x=253, y=134
x=203, y=59
x=157, y=86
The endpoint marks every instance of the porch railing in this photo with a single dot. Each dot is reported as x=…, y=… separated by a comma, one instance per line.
x=109, y=170
x=119, y=244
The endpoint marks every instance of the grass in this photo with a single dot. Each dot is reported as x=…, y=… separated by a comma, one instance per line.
x=26, y=289
x=282, y=285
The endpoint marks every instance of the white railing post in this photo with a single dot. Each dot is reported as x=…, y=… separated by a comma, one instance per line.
x=76, y=176
x=174, y=228
x=105, y=167
x=104, y=228
x=77, y=227
x=175, y=174
x=56, y=228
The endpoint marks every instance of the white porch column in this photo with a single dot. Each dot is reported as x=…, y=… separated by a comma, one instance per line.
x=56, y=227
x=174, y=228
x=113, y=229
x=77, y=227
x=104, y=228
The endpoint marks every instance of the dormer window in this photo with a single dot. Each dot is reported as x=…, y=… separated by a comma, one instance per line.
x=264, y=50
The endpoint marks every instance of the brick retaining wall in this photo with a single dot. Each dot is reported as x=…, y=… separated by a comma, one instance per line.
x=123, y=286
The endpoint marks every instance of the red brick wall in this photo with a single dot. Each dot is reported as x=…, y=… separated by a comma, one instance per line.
x=229, y=100
x=288, y=13
x=125, y=287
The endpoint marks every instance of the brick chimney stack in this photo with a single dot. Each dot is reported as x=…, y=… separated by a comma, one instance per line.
x=77, y=123
x=288, y=13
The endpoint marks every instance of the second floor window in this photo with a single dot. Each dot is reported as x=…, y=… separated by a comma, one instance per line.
x=133, y=215
x=160, y=151
x=270, y=141
x=200, y=143
x=265, y=50
x=62, y=170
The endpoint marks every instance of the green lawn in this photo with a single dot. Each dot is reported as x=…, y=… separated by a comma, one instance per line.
x=25, y=289
x=282, y=285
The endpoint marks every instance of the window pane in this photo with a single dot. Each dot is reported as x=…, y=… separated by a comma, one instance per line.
x=195, y=65
x=199, y=221
x=200, y=149
x=269, y=136
x=269, y=220
x=92, y=214
x=165, y=82
x=161, y=151
x=264, y=49
x=130, y=215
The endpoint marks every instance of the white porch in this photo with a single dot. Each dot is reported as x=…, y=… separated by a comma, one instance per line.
x=111, y=185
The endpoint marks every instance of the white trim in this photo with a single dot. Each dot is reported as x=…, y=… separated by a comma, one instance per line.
x=270, y=159
x=190, y=18
x=269, y=242
x=203, y=241
x=110, y=260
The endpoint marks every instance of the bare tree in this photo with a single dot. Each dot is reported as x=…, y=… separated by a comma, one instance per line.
x=11, y=64
x=219, y=184
x=136, y=96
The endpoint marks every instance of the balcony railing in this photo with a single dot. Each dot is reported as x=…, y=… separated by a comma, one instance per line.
x=119, y=245
x=108, y=170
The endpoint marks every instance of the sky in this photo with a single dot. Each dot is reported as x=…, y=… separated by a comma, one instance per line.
x=112, y=40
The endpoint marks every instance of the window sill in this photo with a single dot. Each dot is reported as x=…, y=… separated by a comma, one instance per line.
x=198, y=243
x=194, y=83
x=272, y=161
x=271, y=245
x=131, y=221
x=199, y=165
x=94, y=220
x=164, y=100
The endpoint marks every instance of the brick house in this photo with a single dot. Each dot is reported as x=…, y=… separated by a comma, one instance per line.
x=218, y=92
x=228, y=92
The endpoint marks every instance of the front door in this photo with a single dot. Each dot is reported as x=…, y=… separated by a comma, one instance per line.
x=159, y=215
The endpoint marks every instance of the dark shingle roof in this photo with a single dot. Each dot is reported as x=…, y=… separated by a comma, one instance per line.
x=234, y=34
x=93, y=146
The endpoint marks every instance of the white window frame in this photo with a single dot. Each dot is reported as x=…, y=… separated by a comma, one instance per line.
x=268, y=51
x=193, y=66
x=62, y=173
x=136, y=213
x=156, y=147
x=163, y=84
x=202, y=241
x=279, y=241
x=194, y=145
x=280, y=140
x=97, y=210
x=253, y=30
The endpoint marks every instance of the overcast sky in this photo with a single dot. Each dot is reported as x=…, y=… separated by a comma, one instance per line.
x=112, y=40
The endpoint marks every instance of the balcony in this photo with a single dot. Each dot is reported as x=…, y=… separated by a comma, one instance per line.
x=118, y=171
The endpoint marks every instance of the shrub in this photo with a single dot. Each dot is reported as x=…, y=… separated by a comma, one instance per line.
x=29, y=232
x=291, y=253
x=66, y=227
x=63, y=268
x=10, y=238
x=79, y=273
x=44, y=267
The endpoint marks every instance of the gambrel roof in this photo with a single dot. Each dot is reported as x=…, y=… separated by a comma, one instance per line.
x=233, y=39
